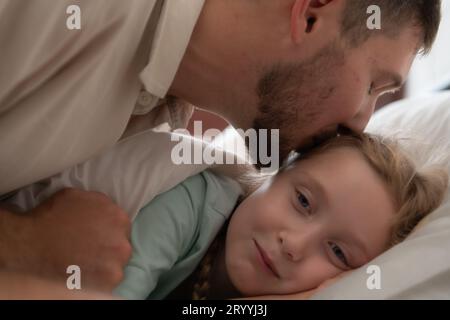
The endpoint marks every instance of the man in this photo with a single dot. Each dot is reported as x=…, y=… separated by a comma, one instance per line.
x=307, y=67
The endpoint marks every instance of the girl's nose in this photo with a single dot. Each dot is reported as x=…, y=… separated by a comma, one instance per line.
x=296, y=244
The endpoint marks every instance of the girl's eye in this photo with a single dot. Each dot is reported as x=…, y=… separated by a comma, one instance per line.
x=304, y=202
x=338, y=253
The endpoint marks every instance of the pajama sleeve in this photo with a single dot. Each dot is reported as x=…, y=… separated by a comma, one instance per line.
x=162, y=233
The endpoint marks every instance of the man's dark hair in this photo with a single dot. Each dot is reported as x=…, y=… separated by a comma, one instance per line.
x=395, y=15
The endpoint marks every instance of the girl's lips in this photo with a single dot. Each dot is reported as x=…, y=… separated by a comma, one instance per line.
x=266, y=260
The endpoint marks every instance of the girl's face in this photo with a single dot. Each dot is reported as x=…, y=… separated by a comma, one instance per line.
x=316, y=219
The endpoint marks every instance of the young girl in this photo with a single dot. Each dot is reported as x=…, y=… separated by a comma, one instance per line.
x=331, y=210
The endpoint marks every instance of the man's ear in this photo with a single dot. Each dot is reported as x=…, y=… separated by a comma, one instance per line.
x=302, y=19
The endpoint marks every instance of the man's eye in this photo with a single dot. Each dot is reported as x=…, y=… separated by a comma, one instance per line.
x=338, y=253
x=391, y=91
x=304, y=202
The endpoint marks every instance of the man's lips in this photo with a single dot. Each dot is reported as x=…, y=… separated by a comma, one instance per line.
x=266, y=259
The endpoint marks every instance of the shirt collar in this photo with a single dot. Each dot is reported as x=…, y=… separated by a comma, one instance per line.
x=174, y=30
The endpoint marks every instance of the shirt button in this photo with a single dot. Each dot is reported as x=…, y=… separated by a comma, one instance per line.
x=145, y=98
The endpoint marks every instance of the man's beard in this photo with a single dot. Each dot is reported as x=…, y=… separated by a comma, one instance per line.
x=292, y=98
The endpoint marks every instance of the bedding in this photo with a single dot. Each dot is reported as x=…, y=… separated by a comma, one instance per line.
x=132, y=172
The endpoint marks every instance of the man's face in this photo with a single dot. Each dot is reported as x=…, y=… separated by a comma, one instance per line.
x=335, y=89
x=319, y=217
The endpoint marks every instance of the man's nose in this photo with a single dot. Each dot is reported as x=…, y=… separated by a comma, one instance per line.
x=359, y=122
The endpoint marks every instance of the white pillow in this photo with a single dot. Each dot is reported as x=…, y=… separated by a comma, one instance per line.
x=132, y=172
x=419, y=267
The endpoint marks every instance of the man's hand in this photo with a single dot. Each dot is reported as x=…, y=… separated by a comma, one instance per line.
x=72, y=227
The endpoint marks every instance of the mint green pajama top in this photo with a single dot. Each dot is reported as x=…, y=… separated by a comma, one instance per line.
x=172, y=233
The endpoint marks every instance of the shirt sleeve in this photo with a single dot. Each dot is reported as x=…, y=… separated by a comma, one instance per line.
x=66, y=95
x=162, y=233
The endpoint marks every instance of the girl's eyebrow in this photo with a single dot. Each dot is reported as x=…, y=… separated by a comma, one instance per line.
x=316, y=185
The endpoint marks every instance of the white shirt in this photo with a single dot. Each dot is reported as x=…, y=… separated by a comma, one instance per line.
x=67, y=95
